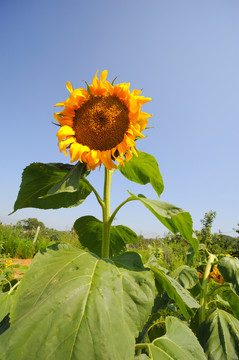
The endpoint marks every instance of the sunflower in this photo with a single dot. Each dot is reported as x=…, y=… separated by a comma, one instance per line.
x=100, y=124
x=216, y=276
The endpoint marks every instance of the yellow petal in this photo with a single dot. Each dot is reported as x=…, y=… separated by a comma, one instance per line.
x=65, y=143
x=142, y=100
x=136, y=130
x=57, y=116
x=74, y=152
x=83, y=149
x=120, y=161
x=103, y=76
x=66, y=121
x=134, y=151
x=136, y=92
x=60, y=104
x=128, y=156
x=64, y=132
x=122, y=148
x=95, y=81
x=144, y=115
x=69, y=86
x=107, y=161
x=93, y=159
x=143, y=124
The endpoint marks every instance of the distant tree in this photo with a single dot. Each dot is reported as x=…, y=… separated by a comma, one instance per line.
x=237, y=230
x=30, y=224
x=206, y=235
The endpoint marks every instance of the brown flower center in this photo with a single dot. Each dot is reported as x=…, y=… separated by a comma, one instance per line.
x=101, y=123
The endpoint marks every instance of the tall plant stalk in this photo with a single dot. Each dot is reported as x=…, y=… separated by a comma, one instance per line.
x=203, y=294
x=105, y=250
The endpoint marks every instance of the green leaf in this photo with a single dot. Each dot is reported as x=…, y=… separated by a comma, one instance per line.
x=190, y=255
x=73, y=305
x=130, y=260
x=89, y=231
x=219, y=336
x=175, y=291
x=5, y=304
x=179, y=343
x=70, y=182
x=143, y=170
x=186, y=276
x=153, y=261
x=174, y=218
x=233, y=300
x=39, y=180
x=229, y=269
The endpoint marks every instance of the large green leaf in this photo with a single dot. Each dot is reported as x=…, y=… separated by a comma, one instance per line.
x=175, y=291
x=186, y=276
x=229, y=269
x=219, y=336
x=174, y=218
x=39, y=180
x=73, y=305
x=89, y=231
x=233, y=300
x=143, y=170
x=179, y=343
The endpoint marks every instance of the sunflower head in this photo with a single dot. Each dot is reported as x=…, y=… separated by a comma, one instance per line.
x=100, y=125
x=216, y=276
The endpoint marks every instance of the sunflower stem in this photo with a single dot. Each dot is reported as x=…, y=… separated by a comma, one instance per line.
x=203, y=294
x=105, y=250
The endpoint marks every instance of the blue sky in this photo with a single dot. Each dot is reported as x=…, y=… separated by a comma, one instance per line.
x=185, y=56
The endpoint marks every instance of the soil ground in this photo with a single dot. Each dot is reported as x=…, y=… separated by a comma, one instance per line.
x=21, y=262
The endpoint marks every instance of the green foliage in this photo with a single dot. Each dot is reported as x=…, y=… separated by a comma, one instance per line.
x=143, y=170
x=16, y=242
x=99, y=302
x=229, y=268
x=175, y=291
x=89, y=231
x=219, y=336
x=186, y=276
x=30, y=224
x=47, y=186
x=6, y=301
x=179, y=342
x=172, y=217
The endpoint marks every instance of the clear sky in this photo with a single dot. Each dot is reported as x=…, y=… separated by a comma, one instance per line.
x=185, y=56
